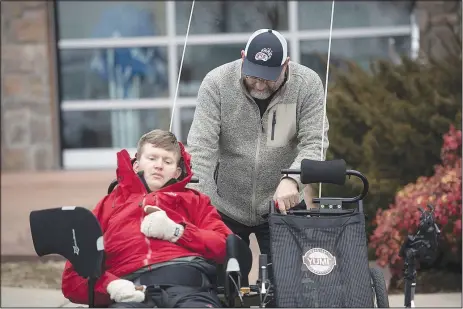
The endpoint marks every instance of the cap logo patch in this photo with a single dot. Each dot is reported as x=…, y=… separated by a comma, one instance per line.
x=264, y=55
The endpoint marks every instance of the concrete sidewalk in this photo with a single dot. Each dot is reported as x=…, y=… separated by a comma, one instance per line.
x=19, y=297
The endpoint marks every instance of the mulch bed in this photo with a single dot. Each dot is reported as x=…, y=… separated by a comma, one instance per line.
x=430, y=281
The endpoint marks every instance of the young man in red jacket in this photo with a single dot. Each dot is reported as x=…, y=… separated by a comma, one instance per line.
x=156, y=232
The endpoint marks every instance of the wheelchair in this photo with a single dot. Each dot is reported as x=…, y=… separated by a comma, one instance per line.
x=319, y=255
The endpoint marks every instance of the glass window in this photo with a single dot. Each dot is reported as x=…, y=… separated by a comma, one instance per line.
x=315, y=15
x=199, y=60
x=359, y=50
x=230, y=16
x=113, y=73
x=104, y=19
x=186, y=119
x=111, y=128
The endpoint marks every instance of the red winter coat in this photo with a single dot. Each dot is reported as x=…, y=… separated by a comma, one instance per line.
x=127, y=249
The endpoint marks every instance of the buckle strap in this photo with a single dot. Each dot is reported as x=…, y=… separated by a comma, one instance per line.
x=162, y=299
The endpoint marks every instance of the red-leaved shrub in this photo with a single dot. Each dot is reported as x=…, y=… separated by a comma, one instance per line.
x=442, y=190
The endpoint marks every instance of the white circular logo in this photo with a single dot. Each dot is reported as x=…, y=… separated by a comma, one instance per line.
x=319, y=261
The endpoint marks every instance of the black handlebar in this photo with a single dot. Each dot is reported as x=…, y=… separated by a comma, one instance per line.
x=290, y=172
x=366, y=186
x=355, y=173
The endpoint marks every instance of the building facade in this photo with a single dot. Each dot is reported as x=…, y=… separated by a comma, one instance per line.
x=81, y=80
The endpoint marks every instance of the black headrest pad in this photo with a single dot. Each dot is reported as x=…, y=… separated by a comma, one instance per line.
x=72, y=232
x=331, y=171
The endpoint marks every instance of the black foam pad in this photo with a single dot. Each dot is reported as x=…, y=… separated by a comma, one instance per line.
x=238, y=249
x=72, y=232
x=331, y=171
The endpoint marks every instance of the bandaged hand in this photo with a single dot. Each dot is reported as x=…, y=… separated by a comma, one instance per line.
x=121, y=290
x=158, y=225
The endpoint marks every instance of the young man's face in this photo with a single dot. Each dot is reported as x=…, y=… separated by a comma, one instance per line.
x=159, y=166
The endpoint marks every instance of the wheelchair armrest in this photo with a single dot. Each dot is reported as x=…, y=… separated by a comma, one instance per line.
x=232, y=265
x=238, y=263
x=239, y=256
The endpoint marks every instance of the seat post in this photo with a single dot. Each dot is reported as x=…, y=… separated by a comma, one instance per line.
x=91, y=292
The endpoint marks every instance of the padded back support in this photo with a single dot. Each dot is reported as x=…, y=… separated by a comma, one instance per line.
x=72, y=232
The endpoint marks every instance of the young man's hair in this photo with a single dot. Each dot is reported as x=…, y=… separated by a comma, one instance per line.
x=161, y=139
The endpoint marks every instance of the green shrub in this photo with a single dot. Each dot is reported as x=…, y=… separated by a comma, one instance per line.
x=388, y=122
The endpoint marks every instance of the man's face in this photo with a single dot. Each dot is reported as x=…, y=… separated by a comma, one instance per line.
x=260, y=88
x=159, y=166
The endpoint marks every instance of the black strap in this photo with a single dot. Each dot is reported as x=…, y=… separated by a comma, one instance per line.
x=163, y=299
x=172, y=302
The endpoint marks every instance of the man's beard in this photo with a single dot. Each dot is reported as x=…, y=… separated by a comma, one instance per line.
x=268, y=91
x=261, y=95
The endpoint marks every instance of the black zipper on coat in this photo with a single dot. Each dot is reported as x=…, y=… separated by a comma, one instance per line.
x=274, y=122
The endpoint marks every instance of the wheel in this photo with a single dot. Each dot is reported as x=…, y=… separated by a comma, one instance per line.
x=379, y=288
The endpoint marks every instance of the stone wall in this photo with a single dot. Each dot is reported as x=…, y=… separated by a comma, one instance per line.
x=432, y=18
x=29, y=138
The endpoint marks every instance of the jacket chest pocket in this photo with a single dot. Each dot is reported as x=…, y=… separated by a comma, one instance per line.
x=281, y=124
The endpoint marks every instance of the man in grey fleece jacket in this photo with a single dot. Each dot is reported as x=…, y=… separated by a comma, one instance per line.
x=255, y=116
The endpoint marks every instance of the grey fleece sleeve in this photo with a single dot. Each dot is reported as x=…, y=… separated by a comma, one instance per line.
x=310, y=126
x=203, y=138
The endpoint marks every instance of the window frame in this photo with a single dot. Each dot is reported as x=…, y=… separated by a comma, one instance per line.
x=88, y=158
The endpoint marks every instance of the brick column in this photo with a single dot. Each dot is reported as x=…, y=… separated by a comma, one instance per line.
x=29, y=118
x=432, y=18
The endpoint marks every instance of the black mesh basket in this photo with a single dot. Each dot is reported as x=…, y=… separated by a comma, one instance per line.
x=320, y=261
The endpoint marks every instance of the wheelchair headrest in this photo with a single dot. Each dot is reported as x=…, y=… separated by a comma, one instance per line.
x=72, y=232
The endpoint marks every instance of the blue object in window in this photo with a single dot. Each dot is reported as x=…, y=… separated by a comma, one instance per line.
x=121, y=65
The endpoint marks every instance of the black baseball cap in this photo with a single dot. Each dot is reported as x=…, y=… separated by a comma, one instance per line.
x=265, y=54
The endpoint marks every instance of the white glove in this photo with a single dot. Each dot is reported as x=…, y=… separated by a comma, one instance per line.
x=121, y=290
x=158, y=225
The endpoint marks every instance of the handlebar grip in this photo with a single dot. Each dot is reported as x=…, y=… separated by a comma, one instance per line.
x=331, y=171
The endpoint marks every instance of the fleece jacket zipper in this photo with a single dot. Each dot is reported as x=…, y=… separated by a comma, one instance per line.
x=274, y=122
